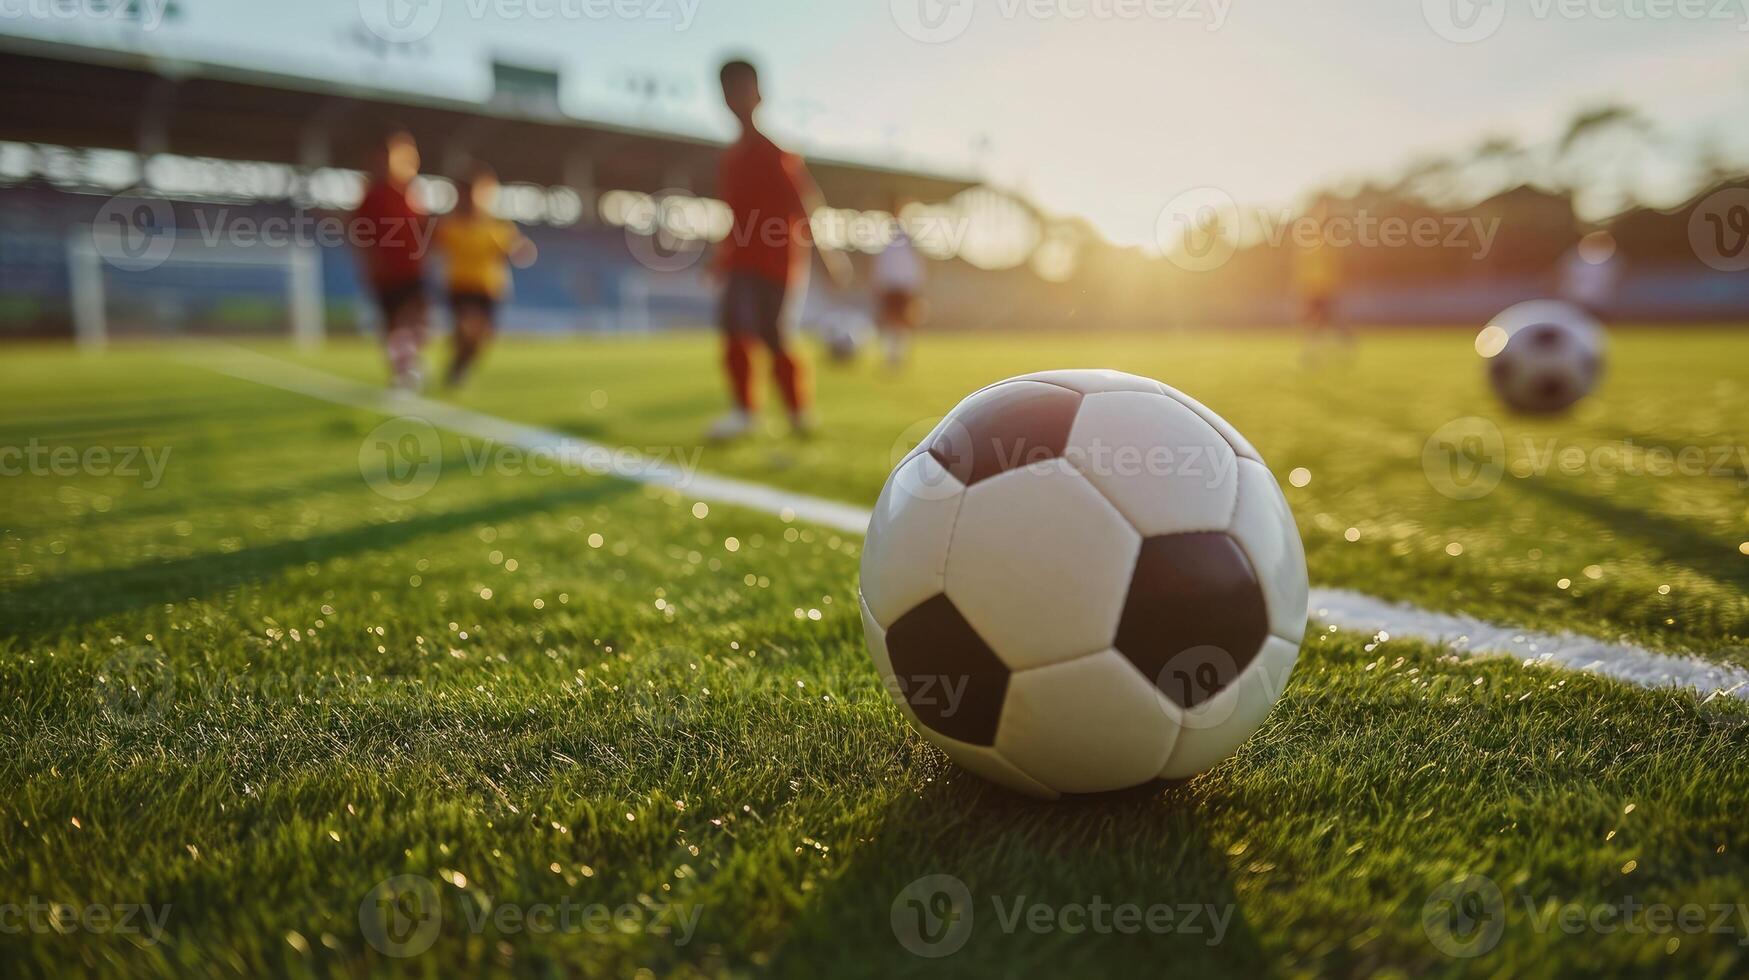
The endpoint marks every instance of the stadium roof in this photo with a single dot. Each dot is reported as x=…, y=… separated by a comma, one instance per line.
x=76, y=95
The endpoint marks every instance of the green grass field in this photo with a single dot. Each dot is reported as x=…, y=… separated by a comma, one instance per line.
x=247, y=692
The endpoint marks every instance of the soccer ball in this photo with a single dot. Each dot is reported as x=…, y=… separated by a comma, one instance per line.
x=845, y=337
x=1543, y=355
x=1082, y=581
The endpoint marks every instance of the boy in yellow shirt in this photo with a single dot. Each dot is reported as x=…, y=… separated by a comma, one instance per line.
x=479, y=250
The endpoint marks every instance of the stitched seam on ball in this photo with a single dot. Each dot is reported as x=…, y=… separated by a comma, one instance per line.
x=1233, y=517
x=959, y=507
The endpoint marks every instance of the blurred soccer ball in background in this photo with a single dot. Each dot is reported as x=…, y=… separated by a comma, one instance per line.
x=1542, y=355
x=845, y=335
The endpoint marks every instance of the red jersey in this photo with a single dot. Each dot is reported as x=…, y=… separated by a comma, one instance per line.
x=762, y=186
x=391, y=241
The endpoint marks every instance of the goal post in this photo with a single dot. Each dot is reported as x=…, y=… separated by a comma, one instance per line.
x=201, y=268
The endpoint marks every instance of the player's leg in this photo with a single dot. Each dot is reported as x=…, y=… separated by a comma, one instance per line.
x=403, y=309
x=776, y=306
x=896, y=324
x=734, y=318
x=474, y=316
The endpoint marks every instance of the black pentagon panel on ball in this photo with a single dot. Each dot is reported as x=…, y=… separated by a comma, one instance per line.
x=1544, y=336
x=947, y=673
x=1005, y=427
x=1553, y=390
x=1195, y=616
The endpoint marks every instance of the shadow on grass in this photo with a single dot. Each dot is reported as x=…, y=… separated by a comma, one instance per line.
x=1667, y=539
x=83, y=428
x=968, y=879
x=181, y=505
x=77, y=598
x=1719, y=456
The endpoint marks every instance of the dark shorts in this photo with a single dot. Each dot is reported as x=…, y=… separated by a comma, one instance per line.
x=755, y=306
x=395, y=299
x=461, y=303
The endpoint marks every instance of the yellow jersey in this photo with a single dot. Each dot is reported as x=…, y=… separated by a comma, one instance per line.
x=1315, y=270
x=477, y=250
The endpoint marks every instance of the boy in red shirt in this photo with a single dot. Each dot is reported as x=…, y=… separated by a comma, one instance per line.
x=763, y=262
x=391, y=234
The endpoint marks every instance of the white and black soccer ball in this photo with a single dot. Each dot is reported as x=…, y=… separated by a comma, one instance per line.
x=1542, y=355
x=845, y=337
x=1082, y=581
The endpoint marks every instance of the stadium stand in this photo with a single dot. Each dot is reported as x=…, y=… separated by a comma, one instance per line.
x=222, y=144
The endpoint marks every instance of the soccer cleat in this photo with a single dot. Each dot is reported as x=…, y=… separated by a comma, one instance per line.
x=731, y=426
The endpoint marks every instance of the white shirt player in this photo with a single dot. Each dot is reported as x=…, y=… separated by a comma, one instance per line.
x=898, y=267
x=1590, y=269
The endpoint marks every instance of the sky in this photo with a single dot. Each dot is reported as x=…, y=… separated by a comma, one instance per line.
x=1107, y=109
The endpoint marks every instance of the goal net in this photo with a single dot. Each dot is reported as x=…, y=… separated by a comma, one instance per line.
x=171, y=285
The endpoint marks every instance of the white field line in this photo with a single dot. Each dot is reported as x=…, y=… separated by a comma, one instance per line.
x=570, y=452
x=1341, y=608
x=1350, y=610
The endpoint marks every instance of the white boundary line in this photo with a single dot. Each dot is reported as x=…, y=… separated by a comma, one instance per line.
x=571, y=451
x=1341, y=608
